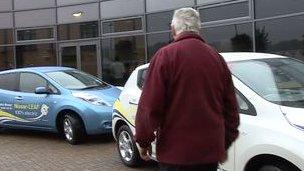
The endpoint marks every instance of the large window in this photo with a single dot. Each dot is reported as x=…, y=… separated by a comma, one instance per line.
x=157, y=41
x=122, y=25
x=237, y=37
x=78, y=31
x=283, y=36
x=6, y=36
x=269, y=8
x=35, y=34
x=36, y=55
x=223, y=12
x=159, y=21
x=6, y=58
x=120, y=57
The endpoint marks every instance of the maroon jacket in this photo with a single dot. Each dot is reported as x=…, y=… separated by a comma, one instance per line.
x=189, y=100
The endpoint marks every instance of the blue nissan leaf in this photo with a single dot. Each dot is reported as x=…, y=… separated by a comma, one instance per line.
x=56, y=99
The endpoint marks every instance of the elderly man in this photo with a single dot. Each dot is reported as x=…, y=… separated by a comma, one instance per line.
x=189, y=101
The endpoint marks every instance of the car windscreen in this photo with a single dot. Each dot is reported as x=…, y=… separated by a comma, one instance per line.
x=278, y=80
x=76, y=80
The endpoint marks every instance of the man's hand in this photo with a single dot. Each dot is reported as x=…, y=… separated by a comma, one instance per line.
x=145, y=153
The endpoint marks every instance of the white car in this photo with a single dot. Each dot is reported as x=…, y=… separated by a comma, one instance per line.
x=270, y=93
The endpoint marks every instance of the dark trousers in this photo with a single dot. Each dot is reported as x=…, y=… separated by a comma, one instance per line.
x=200, y=167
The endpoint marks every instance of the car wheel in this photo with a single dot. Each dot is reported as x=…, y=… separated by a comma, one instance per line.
x=274, y=166
x=73, y=129
x=127, y=148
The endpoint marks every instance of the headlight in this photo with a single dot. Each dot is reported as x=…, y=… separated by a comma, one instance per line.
x=91, y=99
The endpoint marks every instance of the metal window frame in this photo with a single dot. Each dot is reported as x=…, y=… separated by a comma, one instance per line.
x=123, y=19
x=228, y=20
x=35, y=28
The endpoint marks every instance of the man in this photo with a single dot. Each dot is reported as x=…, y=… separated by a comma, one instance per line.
x=189, y=100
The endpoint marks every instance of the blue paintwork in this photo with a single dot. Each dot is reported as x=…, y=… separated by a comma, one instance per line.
x=97, y=119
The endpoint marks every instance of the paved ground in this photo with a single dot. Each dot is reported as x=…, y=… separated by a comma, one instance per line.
x=20, y=150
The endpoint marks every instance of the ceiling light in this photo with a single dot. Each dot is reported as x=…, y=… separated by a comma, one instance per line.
x=78, y=14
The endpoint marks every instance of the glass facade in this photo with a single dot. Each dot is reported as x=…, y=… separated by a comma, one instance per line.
x=237, y=37
x=6, y=36
x=109, y=38
x=36, y=55
x=6, y=58
x=273, y=36
x=78, y=30
x=120, y=56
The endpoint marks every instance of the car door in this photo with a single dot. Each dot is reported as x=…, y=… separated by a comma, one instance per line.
x=246, y=109
x=36, y=109
x=8, y=91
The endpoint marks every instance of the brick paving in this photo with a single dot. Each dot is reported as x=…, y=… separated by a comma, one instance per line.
x=36, y=151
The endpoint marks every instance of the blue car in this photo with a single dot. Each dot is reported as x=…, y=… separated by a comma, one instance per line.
x=56, y=99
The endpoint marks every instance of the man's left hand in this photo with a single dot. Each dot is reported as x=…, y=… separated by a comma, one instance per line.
x=145, y=153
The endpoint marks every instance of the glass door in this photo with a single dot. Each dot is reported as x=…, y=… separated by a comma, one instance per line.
x=81, y=55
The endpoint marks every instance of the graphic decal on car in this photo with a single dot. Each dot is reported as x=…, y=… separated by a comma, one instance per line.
x=129, y=115
x=22, y=112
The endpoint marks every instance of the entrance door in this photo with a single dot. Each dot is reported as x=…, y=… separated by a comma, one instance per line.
x=81, y=55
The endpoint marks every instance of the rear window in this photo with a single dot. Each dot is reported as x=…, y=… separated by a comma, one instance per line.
x=9, y=81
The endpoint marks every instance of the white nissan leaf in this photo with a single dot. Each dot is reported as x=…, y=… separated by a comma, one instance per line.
x=270, y=93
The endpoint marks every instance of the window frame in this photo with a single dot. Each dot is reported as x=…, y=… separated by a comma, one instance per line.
x=229, y=20
x=35, y=28
x=122, y=32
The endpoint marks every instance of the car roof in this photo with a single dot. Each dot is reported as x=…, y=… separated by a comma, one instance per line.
x=37, y=69
x=237, y=56
x=243, y=56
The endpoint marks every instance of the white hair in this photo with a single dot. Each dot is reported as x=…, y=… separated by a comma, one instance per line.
x=186, y=19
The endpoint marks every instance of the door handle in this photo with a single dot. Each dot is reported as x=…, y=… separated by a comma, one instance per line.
x=18, y=98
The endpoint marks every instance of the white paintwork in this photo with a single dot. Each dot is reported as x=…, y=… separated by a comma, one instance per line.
x=267, y=133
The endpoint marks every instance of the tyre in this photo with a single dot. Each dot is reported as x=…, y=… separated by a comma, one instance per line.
x=73, y=129
x=272, y=165
x=127, y=148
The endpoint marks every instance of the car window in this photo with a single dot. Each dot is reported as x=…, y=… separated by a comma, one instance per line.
x=141, y=77
x=76, y=80
x=245, y=107
x=9, y=81
x=29, y=82
x=278, y=80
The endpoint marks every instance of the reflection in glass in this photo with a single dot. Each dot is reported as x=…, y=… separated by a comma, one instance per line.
x=159, y=21
x=6, y=58
x=120, y=57
x=269, y=8
x=122, y=25
x=35, y=34
x=230, y=38
x=89, y=59
x=6, y=36
x=157, y=41
x=78, y=31
x=36, y=55
x=281, y=36
x=223, y=12
x=69, y=56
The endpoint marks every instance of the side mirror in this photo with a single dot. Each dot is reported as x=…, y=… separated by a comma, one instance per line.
x=42, y=90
